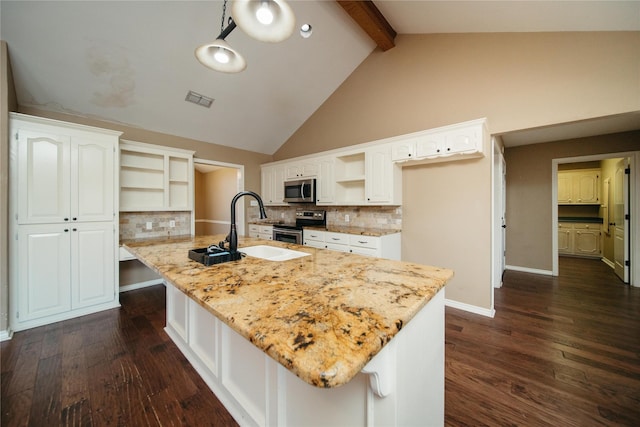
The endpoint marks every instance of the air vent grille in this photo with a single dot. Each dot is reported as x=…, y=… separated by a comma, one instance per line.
x=198, y=99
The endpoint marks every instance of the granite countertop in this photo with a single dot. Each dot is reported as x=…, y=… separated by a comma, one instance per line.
x=594, y=220
x=322, y=316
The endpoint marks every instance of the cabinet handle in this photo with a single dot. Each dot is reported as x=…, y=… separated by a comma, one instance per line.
x=334, y=238
x=66, y=219
x=75, y=219
x=75, y=229
x=362, y=242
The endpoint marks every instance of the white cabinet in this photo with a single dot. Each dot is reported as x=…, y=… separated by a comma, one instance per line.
x=154, y=178
x=63, y=206
x=580, y=239
x=383, y=178
x=261, y=231
x=386, y=246
x=368, y=177
x=579, y=187
x=302, y=169
x=325, y=182
x=453, y=142
x=272, y=184
x=64, y=178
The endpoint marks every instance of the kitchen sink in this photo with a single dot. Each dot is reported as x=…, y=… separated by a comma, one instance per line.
x=272, y=253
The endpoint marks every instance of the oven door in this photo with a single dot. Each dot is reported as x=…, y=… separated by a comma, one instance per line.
x=287, y=235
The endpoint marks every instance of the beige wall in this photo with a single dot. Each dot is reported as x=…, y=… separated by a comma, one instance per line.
x=8, y=102
x=517, y=81
x=529, y=192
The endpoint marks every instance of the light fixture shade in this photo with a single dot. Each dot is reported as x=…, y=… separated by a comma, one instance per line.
x=244, y=14
x=206, y=54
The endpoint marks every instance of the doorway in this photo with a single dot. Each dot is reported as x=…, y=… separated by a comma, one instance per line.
x=618, y=202
x=215, y=184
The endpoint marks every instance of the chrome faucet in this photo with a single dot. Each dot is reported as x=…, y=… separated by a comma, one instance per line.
x=232, y=238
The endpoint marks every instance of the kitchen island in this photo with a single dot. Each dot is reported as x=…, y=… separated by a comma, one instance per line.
x=251, y=326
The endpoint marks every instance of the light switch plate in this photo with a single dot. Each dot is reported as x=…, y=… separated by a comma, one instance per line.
x=149, y=225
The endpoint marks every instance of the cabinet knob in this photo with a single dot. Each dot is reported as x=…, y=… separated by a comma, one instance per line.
x=75, y=219
x=66, y=230
x=66, y=219
x=75, y=229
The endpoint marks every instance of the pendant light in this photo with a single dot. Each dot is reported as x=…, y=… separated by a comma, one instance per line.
x=218, y=55
x=265, y=20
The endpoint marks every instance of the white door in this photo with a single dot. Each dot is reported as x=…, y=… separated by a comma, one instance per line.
x=44, y=282
x=92, y=263
x=43, y=178
x=620, y=220
x=92, y=181
x=499, y=216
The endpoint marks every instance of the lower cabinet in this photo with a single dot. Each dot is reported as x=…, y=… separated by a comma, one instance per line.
x=386, y=246
x=63, y=271
x=580, y=239
x=261, y=231
x=258, y=391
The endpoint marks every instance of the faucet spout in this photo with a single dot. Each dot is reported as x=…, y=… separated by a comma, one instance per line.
x=232, y=238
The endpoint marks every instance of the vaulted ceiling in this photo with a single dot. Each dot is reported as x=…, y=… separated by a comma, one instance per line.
x=132, y=62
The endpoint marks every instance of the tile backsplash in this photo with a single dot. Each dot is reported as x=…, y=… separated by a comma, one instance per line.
x=133, y=225
x=381, y=217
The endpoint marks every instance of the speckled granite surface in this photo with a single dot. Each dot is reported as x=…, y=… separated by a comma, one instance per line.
x=322, y=316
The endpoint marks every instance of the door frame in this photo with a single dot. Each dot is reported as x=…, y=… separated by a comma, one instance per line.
x=239, y=212
x=498, y=206
x=634, y=207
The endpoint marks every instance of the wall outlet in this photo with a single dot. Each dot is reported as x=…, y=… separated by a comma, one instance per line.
x=346, y=218
x=253, y=203
x=149, y=225
x=281, y=214
x=172, y=224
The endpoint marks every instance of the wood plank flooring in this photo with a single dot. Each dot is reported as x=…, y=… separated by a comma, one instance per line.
x=561, y=351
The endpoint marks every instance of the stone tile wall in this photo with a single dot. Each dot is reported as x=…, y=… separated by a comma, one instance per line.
x=380, y=217
x=133, y=224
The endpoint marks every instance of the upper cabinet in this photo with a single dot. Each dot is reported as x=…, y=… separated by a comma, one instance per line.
x=370, y=174
x=272, y=178
x=454, y=142
x=154, y=178
x=64, y=174
x=579, y=187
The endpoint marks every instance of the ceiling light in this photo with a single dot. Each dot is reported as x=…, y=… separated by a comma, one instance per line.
x=265, y=20
x=306, y=30
x=218, y=55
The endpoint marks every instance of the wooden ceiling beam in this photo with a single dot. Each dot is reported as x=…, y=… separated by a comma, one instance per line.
x=371, y=20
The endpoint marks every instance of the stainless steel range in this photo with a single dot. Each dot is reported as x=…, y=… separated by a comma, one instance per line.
x=293, y=233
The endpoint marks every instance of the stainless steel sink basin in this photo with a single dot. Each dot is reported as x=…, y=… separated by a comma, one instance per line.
x=272, y=253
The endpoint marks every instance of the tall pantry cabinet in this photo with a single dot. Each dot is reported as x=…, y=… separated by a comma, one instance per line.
x=63, y=220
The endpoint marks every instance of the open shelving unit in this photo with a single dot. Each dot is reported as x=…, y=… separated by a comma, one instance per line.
x=154, y=179
x=350, y=178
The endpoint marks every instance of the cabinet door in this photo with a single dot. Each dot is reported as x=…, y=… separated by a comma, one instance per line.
x=92, y=180
x=430, y=145
x=325, y=183
x=301, y=170
x=267, y=177
x=565, y=241
x=378, y=169
x=587, y=242
x=92, y=264
x=565, y=183
x=586, y=187
x=43, y=177
x=403, y=150
x=44, y=271
x=278, y=185
x=467, y=140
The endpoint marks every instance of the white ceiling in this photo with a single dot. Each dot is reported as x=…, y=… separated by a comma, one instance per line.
x=132, y=62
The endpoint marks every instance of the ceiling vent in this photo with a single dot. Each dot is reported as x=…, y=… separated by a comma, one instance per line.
x=196, y=98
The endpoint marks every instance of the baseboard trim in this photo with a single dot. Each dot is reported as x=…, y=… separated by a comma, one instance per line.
x=141, y=285
x=470, y=308
x=529, y=270
x=6, y=335
x=609, y=263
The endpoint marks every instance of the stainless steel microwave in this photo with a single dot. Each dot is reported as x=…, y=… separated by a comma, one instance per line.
x=300, y=191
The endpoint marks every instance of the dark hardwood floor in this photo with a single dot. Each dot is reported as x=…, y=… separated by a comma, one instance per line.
x=560, y=351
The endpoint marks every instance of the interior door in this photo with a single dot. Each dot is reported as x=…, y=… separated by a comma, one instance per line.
x=621, y=220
